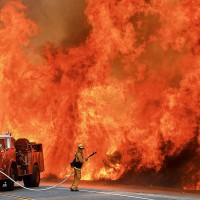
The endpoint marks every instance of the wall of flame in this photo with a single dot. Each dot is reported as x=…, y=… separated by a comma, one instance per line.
x=120, y=76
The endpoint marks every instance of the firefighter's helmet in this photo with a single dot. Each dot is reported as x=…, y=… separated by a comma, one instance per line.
x=80, y=146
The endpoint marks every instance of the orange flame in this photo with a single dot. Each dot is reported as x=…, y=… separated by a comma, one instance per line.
x=129, y=91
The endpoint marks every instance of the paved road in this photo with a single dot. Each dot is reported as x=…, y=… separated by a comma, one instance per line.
x=63, y=193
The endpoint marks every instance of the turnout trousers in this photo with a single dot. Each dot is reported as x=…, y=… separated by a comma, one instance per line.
x=77, y=178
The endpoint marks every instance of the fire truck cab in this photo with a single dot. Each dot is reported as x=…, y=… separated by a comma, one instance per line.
x=21, y=160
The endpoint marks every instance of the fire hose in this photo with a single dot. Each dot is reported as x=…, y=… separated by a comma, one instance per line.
x=37, y=189
x=43, y=189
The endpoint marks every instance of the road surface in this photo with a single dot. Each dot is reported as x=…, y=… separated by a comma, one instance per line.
x=96, y=193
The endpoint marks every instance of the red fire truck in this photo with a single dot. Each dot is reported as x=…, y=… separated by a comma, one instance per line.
x=21, y=160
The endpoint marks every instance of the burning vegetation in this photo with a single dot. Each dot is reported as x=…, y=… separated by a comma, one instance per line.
x=120, y=76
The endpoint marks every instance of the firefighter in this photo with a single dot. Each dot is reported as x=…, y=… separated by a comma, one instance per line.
x=78, y=165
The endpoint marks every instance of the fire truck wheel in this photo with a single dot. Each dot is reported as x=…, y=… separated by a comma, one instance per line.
x=27, y=180
x=10, y=184
x=1, y=184
x=35, y=178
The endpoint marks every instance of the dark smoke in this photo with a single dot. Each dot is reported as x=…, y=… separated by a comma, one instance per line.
x=60, y=22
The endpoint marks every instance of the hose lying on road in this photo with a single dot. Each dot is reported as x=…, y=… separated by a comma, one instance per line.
x=37, y=189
